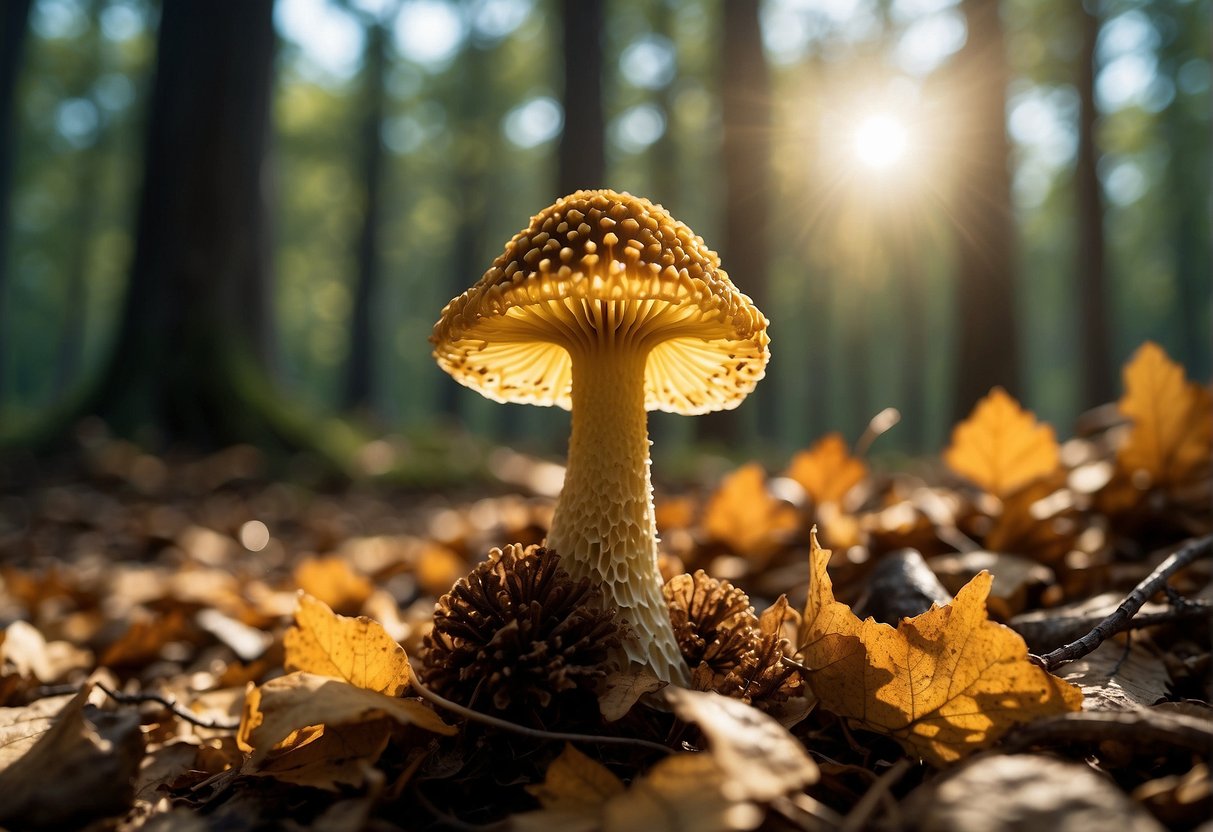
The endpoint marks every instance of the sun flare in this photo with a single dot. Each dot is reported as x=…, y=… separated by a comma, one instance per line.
x=880, y=141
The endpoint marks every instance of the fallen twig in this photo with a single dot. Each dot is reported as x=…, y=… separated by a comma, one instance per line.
x=538, y=733
x=859, y=817
x=1119, y=620
x=177, y=709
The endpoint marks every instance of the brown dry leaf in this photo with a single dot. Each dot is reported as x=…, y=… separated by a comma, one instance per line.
x=332, y=581
x=1001, y=447
x=622, y=689
x=1115, y=679
x=1012, y=793
x=80, y=767
x=827, y=471
x=355, y=650
x=342, y=755
x=576, y=783
x=279, y=711
x=21, y=727
x=1041, y=520
x=680, y=792
x=760, y=760
x=746, y=517
x=943, y=684
x=1172, y=436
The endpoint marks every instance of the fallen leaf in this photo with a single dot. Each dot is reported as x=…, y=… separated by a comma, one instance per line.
x=281, y=707
x=1013, y=793
x=760, y=760
x=1041, y=520
x=1001, y=447
x=827, y=471
x=686, y=791
x=355, y=650
x=332, y=581
x=21, y=728
x=577, y=784
x=343, y=755
x=1115, y=679
x=745, y=516
x=622, y=689
x=680, y=792
x=1171, y=440
x=81, y=767
x=943, y=684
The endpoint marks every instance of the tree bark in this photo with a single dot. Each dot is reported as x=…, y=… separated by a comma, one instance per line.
x=746, y=150
x=194, y=326
x=360, y=366
x=1098, y=369
x=582, y=143
x=987, y=346
x=14, y=24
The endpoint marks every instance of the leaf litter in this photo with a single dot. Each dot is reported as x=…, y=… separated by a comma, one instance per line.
x=189, y=643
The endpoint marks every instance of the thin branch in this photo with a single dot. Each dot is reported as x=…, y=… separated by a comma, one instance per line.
x=1119, y=620
x=538, y=733
x=177, y=710
x=860, y=817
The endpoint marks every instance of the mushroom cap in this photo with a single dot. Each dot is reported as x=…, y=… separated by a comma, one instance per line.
x=605, y=269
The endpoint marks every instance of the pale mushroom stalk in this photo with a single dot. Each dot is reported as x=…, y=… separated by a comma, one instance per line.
x=608, y=463
x=608, y=306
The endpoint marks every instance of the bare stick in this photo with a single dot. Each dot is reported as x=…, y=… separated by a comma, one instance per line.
x=860, y=816
x=177, y=710
x=1116, y=622
x=538, y=733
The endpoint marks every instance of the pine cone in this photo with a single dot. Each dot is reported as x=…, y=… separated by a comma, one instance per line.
x=516, y=632
x=723, y=642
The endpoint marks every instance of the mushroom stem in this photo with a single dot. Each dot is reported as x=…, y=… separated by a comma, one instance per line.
x=608, y=466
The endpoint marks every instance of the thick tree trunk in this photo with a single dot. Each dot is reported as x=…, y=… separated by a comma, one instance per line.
x=987, y=346
x=360, y=366
x=1098, y=368
x=582, y=144
x=746, y=148
x=185, y=368
x=14, y=23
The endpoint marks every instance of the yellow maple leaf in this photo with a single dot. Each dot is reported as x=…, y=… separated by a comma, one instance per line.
x=1001, y=447
x=943, y=684
x=684, y=791
x=331, y=579
x=827, y=471
x=746, y=517
x=355, y=650
x=1171, y=440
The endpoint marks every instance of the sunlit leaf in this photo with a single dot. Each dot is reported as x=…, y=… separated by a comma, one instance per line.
x=827, y=471
x=1171, y=440
x=944, y=684
x=278, y=712
x=745, y=516
x=355, y=650
x=1001, y=447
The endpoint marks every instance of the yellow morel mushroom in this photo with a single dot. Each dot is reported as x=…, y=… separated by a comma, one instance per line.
x=607, y=306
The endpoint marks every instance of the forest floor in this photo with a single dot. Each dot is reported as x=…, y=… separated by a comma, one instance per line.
x=190, y=644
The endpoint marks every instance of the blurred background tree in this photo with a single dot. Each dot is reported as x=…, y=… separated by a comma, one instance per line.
x=929, y=196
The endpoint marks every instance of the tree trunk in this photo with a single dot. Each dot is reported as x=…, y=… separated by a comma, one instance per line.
x=987, y=344
x=582, y=143
x=1098, y=369
x=746, y=148
x=185, y=368
x=360, y=366
x=84, y=222
x=14, y=23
